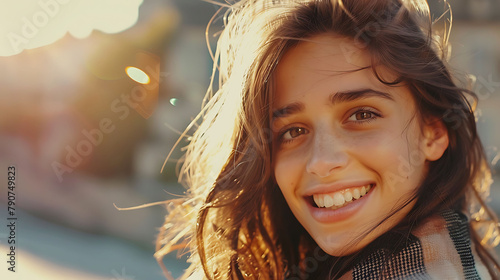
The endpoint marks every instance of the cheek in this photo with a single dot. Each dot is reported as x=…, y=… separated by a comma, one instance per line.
x=402, y=168
x=394, y=154
x=286, y=172
x=370, y=140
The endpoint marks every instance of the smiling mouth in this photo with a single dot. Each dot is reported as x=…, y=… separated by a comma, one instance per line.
x=336, y=200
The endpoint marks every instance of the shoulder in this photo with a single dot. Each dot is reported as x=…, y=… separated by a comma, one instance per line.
x=440, y=248
x=447, y=249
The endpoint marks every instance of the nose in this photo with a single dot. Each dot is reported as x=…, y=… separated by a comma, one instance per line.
x=328, y=154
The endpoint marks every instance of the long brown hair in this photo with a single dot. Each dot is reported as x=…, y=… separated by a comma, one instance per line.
x=234, y=218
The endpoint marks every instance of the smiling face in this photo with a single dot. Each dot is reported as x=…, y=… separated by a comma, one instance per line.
x=347, y=149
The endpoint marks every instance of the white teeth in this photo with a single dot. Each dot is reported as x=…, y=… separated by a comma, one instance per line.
x=347, y=196
x=356, y=194
x=338, y=199
x=319, y=200
x=328, y=201
x=322, y=200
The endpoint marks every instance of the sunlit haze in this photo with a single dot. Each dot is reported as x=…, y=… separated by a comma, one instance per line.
x=28, y=24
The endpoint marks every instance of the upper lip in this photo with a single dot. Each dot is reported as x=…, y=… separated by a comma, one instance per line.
x=335, y=187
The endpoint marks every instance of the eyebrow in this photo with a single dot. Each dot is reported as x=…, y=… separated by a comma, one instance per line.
x=335, y=98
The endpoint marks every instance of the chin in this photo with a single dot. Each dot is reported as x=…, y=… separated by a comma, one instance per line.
x=347, y=243
x=340, y=249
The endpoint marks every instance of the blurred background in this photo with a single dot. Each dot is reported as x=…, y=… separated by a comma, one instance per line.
x=94, y=94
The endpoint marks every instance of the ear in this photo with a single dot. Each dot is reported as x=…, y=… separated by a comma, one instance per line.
x=435, y=139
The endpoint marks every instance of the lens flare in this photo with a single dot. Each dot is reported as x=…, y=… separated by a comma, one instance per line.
x=137, y=75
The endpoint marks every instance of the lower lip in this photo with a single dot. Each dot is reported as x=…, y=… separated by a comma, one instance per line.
x=324, y=215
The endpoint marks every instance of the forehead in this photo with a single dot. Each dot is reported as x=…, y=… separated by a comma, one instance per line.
x=324, y=62
x=346, y=52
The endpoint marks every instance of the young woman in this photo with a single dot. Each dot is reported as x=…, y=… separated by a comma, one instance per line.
x=336, y=146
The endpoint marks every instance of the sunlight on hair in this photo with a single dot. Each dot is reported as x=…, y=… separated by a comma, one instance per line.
x=488, y=233
x=419, y=6
x=137, y=75
x=33, y=24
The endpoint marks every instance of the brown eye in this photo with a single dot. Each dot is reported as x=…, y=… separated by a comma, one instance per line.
x=363, y=115
x=293, y=133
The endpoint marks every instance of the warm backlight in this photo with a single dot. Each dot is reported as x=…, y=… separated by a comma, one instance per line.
x=31, y=24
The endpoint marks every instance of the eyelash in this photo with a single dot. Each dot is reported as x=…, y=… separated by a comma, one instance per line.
x=362, y=122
